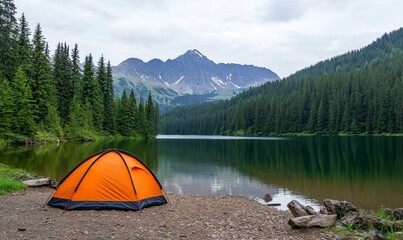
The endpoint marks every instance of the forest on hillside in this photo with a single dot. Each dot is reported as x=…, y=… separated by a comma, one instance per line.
x=360, y=92
x=44, y=97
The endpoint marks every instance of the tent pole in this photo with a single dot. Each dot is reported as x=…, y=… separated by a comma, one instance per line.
x=67, y=204
x=51, y=194
x=166, y=196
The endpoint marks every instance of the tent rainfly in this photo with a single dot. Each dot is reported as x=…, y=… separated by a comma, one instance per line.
x=110, y=179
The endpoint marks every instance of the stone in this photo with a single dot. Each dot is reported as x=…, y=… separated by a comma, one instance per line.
x=297, y=209
x=349, y=218
x=323, y=210
x=399, y=235
x=22, y=229
x=318, y=220
x=267, y=198
x=375, y=235
x=310, y=210
x=398, y=224
x=341, y=208
x=367, y=221
x=396, y=213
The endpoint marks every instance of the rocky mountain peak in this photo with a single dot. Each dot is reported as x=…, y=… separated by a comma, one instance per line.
x=190, y=74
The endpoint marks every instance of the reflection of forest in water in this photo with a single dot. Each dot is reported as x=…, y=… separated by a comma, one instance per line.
x=364, y=170
x=56, y=161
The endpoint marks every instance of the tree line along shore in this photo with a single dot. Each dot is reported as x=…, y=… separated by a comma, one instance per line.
x=44, y=96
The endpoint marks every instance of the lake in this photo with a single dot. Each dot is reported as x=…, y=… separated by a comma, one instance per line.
x=367, y=171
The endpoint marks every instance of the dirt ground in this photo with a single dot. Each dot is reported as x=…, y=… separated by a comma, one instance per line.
x=22, y=216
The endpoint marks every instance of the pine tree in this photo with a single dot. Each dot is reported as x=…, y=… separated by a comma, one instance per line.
x=76, y=70
x=156, y=117
x=101, y=78
x=150, y=118
x=24, y=44
x=92, y=93
x=52, y=121
x=41, y=81
x=123, y=120
x=8, y=40
x=101, y=74
x=141, y=118
x=132, y=112
x=109, y=125
x=23, y=114
x=75, y=122
x=323, y=111
x=62, y=73
x=6, y=107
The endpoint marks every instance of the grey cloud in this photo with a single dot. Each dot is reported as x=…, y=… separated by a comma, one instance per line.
x=281, y=10
x=283, y=35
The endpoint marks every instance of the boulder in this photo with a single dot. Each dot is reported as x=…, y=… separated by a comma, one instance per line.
x=375, y=235
x=349, y=218
x=267, y=198
x=323, y=210
x=297, y=209
x=318, y=220
x=396, y=213
x=367, y=221
x=310, y=210
x=341, y=208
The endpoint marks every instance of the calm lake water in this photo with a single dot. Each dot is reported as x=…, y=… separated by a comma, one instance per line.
x=367, y=171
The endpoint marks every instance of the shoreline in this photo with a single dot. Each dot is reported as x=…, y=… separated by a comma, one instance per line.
x=30, y=142
x=188, y=217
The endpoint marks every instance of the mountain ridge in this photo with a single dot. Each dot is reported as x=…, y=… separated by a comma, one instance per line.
x=191, y=73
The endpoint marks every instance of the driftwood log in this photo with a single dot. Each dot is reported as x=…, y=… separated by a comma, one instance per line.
x=272, y=204
x=318, y=220
x=37, y=182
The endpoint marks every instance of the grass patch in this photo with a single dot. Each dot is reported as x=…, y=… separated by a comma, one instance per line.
x=10, y=179
x=382, y=214
x=355, y=231
x=389, y=232
x=346, y=232
x=10, y=185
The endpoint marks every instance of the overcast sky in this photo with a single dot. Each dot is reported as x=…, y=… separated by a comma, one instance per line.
x=282, y=35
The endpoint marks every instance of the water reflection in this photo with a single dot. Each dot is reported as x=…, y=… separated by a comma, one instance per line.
x=364, y=170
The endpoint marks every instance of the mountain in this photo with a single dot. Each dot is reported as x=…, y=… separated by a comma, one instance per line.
x=359, y=92
x=188, y=79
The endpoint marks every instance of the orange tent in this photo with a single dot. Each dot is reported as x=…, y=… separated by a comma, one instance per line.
x=111, y=179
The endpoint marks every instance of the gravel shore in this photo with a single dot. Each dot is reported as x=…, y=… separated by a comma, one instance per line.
x=188, y=217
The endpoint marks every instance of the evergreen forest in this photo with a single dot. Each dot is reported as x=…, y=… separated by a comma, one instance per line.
x=360, y=92
x=46, y=96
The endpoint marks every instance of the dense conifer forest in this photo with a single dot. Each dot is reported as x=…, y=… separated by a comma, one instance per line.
x=360, y=92
x=46, y=96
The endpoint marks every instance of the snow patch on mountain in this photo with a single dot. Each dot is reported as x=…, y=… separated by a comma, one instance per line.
x=179, y=80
